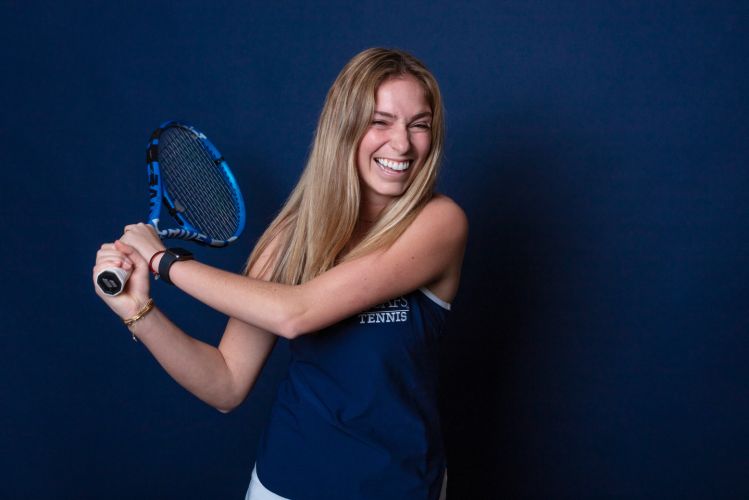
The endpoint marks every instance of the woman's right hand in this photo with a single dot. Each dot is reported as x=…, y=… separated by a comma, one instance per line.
x=137, y=289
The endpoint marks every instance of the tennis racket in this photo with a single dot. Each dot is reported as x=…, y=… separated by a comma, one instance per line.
x=190, y=180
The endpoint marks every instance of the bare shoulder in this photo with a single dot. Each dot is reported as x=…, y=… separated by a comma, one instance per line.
x=428, y=254
x=441, y=229
x=445, y=217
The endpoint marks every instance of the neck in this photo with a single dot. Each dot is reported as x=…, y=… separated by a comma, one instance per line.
x=370, y=211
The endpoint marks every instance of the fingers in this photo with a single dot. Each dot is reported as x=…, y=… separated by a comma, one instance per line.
x=142, y=229
x=129, y=251
x=141, y=238
x=123, y=247
x=108, y=256
x=138, y=226
x=119, y=255
x=147, y=228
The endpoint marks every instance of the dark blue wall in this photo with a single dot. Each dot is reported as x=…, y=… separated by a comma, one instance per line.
x=598, y=346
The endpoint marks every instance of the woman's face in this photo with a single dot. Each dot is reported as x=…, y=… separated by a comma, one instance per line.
x=397, y=141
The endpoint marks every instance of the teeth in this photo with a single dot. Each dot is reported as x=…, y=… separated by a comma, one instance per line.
x=394, y=165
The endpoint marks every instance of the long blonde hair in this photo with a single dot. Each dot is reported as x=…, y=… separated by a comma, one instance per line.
x=311, y=233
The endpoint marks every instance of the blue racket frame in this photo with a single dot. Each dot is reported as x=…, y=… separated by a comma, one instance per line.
x=159, y=198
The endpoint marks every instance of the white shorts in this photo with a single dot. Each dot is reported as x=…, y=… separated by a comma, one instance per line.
x=257, y=491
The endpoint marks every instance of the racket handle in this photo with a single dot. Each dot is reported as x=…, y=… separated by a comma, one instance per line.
x=112, y=281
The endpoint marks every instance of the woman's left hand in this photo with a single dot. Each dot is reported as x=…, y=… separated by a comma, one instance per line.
x=143, y=238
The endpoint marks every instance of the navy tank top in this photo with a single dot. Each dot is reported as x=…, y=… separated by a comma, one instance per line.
x=356, y=415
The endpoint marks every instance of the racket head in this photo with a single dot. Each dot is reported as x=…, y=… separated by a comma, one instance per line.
x=189, y=179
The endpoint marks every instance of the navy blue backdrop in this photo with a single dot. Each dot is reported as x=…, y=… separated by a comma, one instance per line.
x=598, y=346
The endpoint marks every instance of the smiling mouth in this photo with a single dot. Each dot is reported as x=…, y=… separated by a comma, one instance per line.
x=395, y=166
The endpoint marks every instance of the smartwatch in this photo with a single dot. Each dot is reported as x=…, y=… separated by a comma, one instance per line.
x=172, y=255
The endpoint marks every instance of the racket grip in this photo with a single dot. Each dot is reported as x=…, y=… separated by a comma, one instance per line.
x=112, y=281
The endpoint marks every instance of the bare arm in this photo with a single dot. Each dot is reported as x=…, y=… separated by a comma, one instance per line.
x=221, y=377
x=428, y=253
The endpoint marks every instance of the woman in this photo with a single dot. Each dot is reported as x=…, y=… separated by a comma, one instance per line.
x=357, y=270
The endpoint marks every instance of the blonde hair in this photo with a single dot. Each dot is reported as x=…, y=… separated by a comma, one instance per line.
x=311, y=233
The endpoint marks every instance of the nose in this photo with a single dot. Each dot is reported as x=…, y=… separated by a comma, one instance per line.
x=400, y=140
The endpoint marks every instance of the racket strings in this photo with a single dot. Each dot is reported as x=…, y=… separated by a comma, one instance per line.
x=198, y=188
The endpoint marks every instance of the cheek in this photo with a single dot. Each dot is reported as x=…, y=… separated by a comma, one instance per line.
x=367, y=147
x=423, y=145
x=362, y=157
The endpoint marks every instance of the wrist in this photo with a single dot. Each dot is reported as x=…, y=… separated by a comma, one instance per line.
x=141, y=313
x=154, y=261
x=169, y=258
x=133, y=307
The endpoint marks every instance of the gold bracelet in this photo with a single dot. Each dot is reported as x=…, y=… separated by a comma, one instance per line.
x=143, y=311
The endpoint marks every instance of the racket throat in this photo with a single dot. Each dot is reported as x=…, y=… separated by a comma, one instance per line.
x=175, y=210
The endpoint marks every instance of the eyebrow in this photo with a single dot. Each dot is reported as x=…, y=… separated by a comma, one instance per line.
x=415, y=117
